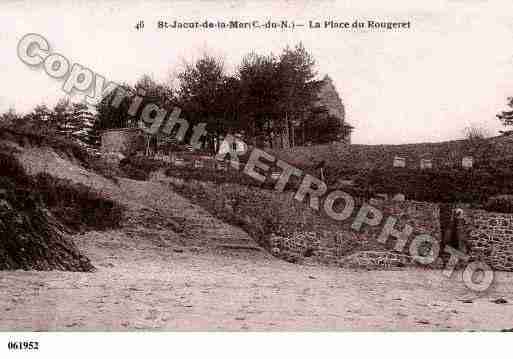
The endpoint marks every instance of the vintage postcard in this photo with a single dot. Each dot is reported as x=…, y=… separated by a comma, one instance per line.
x=254, y=166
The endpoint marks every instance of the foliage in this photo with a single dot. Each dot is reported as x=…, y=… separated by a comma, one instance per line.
x=114, y=113
x=441, y=185
x=9, y=117
x=266, y=100
x=73, y=120
x=31, y=237
x=204, y=94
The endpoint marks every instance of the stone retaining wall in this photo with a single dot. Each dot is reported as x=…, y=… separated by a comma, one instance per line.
x=487, y=236
x=333, y=245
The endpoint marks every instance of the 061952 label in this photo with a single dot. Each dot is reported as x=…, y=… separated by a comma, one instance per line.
x=22, y=345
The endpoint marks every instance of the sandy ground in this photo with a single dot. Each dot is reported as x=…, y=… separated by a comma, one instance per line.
x=142, y=288
x=172, y=266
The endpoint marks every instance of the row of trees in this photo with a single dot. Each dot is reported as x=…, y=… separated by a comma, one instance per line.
x=68, y=119
x=265, y=99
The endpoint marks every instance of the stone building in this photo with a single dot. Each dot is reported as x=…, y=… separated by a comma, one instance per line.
x=123, y=141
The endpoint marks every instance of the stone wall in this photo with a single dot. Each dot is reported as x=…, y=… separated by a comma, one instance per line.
x=487, y=236
x=332, y=244
x=123, y=140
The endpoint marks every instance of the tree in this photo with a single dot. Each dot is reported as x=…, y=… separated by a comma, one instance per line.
x=295, y=73
x=111, y=116
x=62, y=117
x=39, y=120
x=154, y=93
x=260, y=97
x=202, y=87
x=73, y=120
x=81, y=123
x=277, y=94
x=9, y=117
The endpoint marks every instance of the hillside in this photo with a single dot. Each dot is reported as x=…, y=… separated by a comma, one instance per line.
x=53, y=189
x=442, y=154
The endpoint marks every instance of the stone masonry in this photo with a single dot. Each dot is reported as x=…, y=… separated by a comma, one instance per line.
x=335, y=244
x=487, y=236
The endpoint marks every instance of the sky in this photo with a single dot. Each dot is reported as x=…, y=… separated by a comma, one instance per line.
x=452, y=69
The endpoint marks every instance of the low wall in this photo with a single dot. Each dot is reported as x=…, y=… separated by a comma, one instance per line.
x=487, y=236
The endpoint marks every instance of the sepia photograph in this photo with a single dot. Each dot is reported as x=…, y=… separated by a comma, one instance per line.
x=194, y=170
